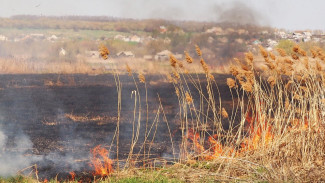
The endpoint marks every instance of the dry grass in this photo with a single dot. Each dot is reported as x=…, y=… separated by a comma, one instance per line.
x=276, y=126
x=14, y=66
x=86, y=118
x=279, y=134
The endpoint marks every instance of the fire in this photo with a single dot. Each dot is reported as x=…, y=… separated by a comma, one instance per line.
x=216, y=147
x=73, y=175
x=213, y=152
x=195, y=138
x=260, y=135
x=101, y=161
x=258, y=130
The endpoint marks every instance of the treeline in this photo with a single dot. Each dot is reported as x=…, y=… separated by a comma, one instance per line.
x=180, y=36
x=111, y=23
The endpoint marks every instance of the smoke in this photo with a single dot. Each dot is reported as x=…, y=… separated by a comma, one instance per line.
x=12, y=153
x=209, y=10
x=240, y=13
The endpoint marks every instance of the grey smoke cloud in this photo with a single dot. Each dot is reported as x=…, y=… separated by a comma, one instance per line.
x=13, y=159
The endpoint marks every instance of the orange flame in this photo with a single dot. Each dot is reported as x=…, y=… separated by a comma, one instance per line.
x=260, y=135
x=256, y=135
x=73, y=175
x=101, y=162
x=195, y=138
x=216, y=147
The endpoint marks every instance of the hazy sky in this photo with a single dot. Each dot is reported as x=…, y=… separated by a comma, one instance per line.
x=289, y=14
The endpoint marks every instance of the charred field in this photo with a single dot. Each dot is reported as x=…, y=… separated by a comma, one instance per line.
x=60, y=118
x=253, y=125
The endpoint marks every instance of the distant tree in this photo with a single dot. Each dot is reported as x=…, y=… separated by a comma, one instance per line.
x=122, y=29
x=287, y=45
x=156, y=46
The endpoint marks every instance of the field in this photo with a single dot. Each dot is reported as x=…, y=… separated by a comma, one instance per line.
x=70, y=116
x=64, y=116
x=264, y=122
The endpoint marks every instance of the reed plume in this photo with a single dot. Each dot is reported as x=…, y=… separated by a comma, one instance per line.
x=247, y=86
x=281, y=52
x=198, y=50
x=189, y=99
x=176, y=74
x=204, y=66
x=272, y=56
x=104, y=52
x=271, y=80
x=188, y=58
x=263, y=52
x=231, y=83
x=294, y=56
x=141, y=77
x=172, y=60
x=224, y=113
x=129, y=70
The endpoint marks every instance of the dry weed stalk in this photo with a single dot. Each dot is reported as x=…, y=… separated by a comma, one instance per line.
x=300, y=99
x=275, y=129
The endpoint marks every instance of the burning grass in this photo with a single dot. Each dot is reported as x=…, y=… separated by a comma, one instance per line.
x=87, y=118
x=273, y=132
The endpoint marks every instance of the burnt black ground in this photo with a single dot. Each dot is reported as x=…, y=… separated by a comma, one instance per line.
x=29, y=106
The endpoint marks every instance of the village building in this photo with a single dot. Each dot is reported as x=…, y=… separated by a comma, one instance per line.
x=265, y=32
x=223, y=40
x=256, y=42
x=230, y=30
x=307, y=36
x=135, y=39
x=119, y=37
x=26, y=38
x=62, y=52
x=242, y=31
x=126, y=39
x=125, y=54
x=3, y=38
x=282, y=34
x=163, y=55
x=37, y=36
x=52, y=38
x=239, y=40
x=162, y=29
x=147, y=39
x=272, y=43
x=215, y=30
x=148, y=57
x=92, y=54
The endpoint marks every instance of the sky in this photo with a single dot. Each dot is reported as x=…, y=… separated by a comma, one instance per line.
x=287, y=14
